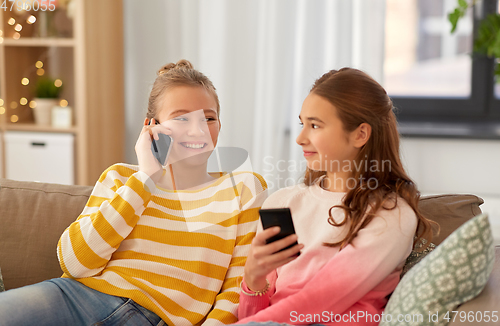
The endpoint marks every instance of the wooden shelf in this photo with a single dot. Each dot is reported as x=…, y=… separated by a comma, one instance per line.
x=88, y=58
x=38, y=128
x=35, y=41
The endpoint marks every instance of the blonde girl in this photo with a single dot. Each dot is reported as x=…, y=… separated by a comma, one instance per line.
x=155, y=245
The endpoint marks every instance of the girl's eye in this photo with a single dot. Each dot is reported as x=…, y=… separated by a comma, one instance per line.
x=208, y=119
x=181, y=118
x=314, y=126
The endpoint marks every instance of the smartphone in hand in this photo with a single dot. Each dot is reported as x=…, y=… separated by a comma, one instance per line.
x=281, y=217
x=161, y=148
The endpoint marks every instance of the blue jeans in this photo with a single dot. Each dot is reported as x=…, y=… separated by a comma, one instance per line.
x=64, y=301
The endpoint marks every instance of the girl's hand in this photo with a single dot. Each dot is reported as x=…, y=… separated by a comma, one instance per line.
x=147, y=162
x=264, y=258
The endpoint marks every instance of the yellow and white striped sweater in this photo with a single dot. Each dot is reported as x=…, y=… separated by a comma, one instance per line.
x=179, y=254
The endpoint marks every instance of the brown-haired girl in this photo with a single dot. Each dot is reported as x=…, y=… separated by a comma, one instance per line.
x=155, y=244
x=356, y=216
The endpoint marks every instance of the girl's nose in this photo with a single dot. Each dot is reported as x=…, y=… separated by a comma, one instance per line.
x=197, y=128
x=301, y=138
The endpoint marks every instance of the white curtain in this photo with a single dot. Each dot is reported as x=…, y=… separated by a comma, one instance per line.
x=262, y=55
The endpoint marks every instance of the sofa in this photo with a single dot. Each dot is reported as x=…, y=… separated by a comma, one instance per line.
x=34, y=215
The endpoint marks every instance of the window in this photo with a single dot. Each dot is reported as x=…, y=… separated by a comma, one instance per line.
x=431, y=75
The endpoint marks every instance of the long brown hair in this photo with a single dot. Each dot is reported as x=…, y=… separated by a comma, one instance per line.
x=358, y=99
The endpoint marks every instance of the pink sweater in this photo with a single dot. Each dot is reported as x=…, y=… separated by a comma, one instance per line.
x=326, y=286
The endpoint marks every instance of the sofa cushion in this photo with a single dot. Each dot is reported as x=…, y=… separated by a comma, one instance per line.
x=455, y=272
x=449, y=211
x=33, y=217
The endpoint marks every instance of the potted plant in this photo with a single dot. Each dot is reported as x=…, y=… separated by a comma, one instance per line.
x=487, y=39
x=47, y=92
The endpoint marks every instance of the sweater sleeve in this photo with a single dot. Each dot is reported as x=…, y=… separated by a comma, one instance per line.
x=373, y=256
x=112, y=211
x=226, y=302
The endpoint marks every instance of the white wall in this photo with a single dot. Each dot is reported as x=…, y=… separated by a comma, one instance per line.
x=457, y=166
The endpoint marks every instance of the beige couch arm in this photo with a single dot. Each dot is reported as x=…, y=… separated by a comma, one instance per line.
x=32, y=218
x=487, y=300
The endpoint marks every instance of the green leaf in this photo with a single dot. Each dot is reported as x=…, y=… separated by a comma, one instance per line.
x=463, y=4
x=453, y=18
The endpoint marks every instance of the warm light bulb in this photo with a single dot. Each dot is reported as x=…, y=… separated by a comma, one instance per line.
x=2, y=110
x=31, y=19
x=16, y=36
x=11, y=21
x=32, y=104
x=13, y=105
x=39, y=64
x=40, y=72
x=1, y=40
x=14, y=118
x=63, y=103
x=1, y=102
x=23, y=101
x=58, y=83
x=25, y=81
x=1, y=32
x=18, y=28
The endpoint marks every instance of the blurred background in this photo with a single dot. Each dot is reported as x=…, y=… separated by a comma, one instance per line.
x=262, y=56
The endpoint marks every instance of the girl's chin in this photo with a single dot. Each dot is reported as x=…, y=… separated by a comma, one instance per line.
x=190, y=160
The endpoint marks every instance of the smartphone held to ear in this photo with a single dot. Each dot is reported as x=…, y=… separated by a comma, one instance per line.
x=161, y=148
x=281, y=217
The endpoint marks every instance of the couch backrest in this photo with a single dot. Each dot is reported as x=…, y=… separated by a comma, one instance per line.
x=34, y=215
x=32, y=218
x=449, y=211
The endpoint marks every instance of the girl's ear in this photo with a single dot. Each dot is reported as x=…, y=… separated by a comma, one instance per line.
x=361, y=135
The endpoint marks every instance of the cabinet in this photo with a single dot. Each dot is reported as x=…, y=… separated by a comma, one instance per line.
x=81, y=44
x=52, y=153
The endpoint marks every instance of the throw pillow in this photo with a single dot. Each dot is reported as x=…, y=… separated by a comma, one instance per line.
x=455, y=272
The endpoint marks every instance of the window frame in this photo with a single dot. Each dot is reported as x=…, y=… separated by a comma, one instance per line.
x=481, y=107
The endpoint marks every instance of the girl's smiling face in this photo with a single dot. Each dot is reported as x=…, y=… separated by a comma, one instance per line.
x=190, y=112
x=326, y=145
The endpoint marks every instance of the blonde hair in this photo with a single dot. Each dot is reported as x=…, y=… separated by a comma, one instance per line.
x=172, y=75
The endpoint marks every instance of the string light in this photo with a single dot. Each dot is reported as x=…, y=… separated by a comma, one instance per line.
x=25, y=81
x=2, y=110
x=63, y=103
x=31, y=19
x=11, y=21
x=23, y=101
x=14, y=118
x=58, y=83
x=39, y=64
x=1, y=32
x=18, y=28
x=16, y=36
x=40, y=72
x=13, y=105
x=1, y=40
x=1, y=102
x=32, y=104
